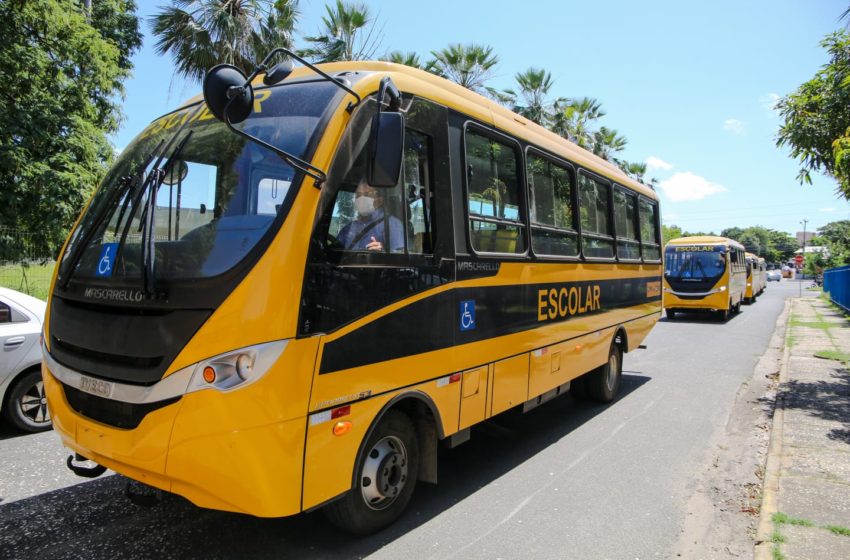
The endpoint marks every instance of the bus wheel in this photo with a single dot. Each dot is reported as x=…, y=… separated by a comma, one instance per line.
x=386, y=477
x=604, y=382
x=724, y=315
x=671, y=314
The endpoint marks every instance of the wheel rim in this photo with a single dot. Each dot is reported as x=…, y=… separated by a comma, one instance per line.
x=384, y=473
x=33, y=404
x=613, y=369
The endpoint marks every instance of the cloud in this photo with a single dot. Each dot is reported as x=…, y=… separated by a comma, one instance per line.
x=687, y=186
x=734, y=126
x=769, y=101
x=653, y=162
x=827, y=209
x=670, y=216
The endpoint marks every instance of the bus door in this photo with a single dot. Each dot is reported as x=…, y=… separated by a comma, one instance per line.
x=375, y=254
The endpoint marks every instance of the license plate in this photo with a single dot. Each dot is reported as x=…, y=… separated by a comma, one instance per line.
x=96, y=387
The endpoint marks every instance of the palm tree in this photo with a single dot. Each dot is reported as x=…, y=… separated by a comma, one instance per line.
x=468, y=65
x=199, y=34
x=407, y=58
x=572, y=119
x=342, y=38
x=606, y=143
x=635, y=170
x=534, y=85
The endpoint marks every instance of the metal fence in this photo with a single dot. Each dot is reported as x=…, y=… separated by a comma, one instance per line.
x=836, y=282
x=24, y=266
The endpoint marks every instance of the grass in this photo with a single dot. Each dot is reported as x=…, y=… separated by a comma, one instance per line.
x=780, y=519
x=32, y=279
x=834, y=355
x=838, y=530
x=823, y=325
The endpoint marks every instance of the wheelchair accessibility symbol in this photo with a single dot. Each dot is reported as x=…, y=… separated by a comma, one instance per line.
x=467, y=315
x=107, y=259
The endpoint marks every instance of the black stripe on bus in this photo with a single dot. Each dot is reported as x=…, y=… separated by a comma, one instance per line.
x=434, y=323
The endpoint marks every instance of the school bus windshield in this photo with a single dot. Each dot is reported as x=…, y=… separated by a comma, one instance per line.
x=694, y=263
x=217, y=194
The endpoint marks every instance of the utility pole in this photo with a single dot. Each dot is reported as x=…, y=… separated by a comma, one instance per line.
x=804, y=222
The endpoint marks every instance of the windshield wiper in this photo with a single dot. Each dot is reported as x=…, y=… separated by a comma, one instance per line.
x=148, y=217
x=124, y=183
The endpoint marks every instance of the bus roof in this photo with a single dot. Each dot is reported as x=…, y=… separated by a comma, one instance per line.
x=469, y=102
x=705, y=240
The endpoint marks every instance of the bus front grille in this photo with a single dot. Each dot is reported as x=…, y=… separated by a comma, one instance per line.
x=113, y=413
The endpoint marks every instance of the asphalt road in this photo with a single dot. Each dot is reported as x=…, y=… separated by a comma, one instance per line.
x=568, y=480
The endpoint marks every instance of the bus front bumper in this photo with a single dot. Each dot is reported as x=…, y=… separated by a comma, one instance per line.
x=714, y=300
x=198, y=447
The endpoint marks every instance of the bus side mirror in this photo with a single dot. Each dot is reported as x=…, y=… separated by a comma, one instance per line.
x=228, y=93
x=387, y=149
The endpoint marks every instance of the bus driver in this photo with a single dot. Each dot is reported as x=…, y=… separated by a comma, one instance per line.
x=366, y=231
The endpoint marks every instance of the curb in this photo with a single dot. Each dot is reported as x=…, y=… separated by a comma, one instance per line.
x=770, y=491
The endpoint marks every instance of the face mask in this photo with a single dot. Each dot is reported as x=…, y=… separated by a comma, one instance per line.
x=364, y=205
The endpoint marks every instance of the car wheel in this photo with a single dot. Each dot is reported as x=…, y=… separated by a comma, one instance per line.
x=603, y=383
x=386, y=477
x=26, y=404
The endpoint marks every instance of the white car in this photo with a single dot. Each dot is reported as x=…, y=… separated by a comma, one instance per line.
x=774, y=275
x=22, y=399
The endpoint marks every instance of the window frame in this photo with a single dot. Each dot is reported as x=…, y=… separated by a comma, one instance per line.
x=635, y=223
x=657, y=221
x=613, y=237
x=570, y=167
x=523, y=222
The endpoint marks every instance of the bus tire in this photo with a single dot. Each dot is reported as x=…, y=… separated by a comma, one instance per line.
x=671, y=314
x=603, y=383
x=724, y=314
x=386, y=477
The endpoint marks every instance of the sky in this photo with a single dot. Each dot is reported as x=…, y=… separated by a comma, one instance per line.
x=690, y=85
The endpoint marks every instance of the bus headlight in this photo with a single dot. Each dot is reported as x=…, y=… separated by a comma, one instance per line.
x=237, y=368
x=722, y=289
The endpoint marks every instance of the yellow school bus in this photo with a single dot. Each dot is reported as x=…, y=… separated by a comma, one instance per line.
x=756, y=277
x=704, y=273
x=262, y=316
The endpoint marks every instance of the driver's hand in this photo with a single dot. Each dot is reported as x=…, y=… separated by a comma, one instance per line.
x=374, y=245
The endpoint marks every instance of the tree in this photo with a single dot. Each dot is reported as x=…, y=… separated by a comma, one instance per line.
x=62, y=77
x=198, y=34
x=468, y=65
x=606, y=142
x=836, y=237
x=669, y=233
x=572, y=119
x=532, y=100
x=817, y=117
x=343, y=37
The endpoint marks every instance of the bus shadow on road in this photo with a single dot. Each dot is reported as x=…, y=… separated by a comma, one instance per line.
x=700, y=318
x=94, y=519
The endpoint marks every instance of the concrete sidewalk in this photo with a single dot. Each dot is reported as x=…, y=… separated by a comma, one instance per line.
x=806, y=502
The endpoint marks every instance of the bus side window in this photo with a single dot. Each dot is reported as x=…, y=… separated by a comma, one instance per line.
x=649, y=237
x=597, y=235
x=625, y=220
x=494, y=199
x=553, y=229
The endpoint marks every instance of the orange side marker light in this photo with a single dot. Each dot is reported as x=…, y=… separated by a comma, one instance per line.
x=342, y=428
